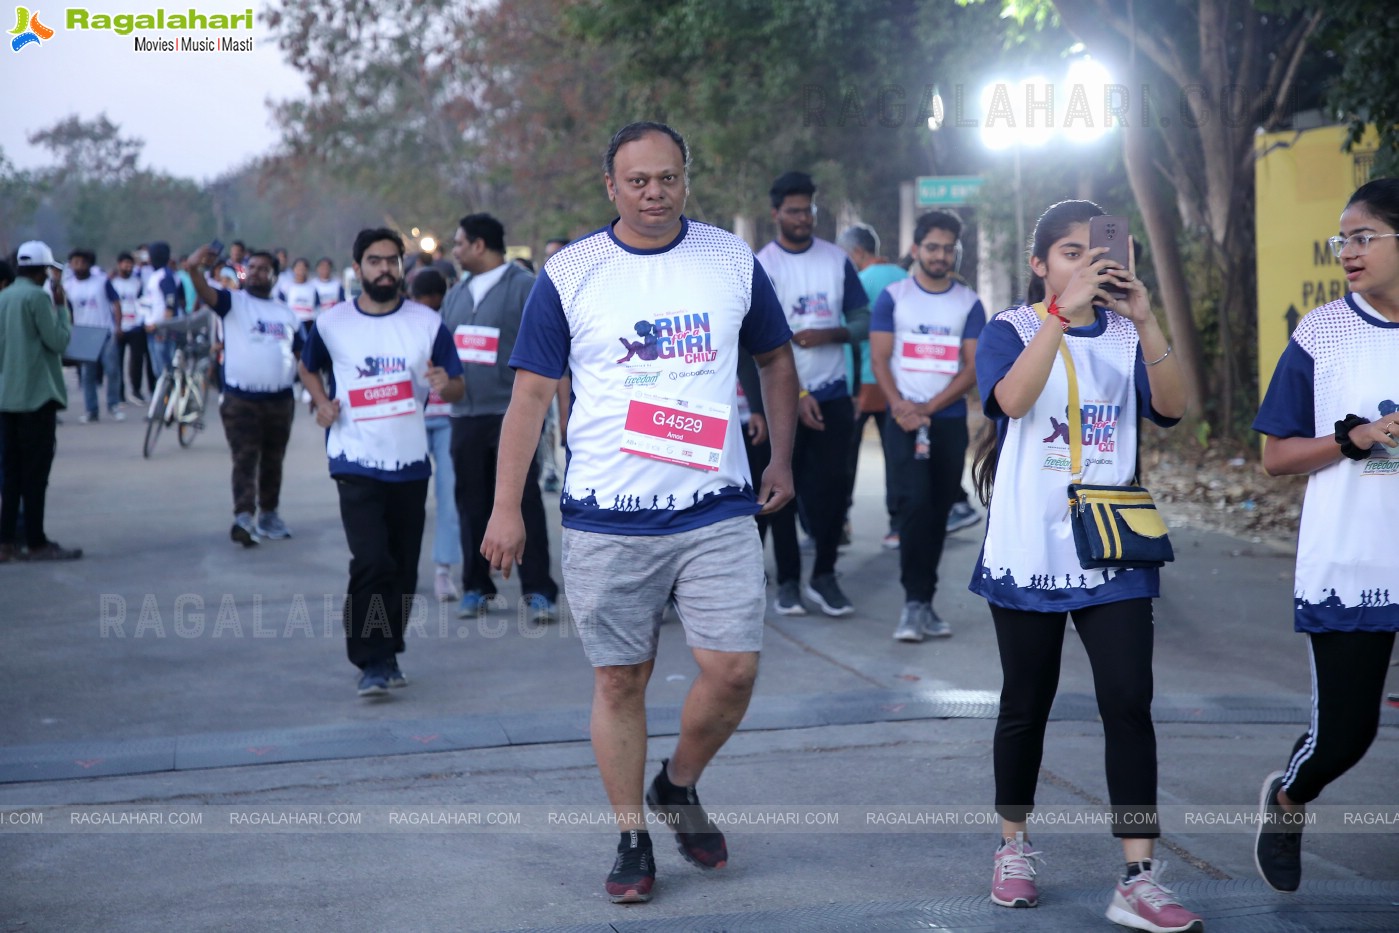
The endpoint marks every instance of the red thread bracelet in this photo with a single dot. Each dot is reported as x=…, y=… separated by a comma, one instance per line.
x=1053, y=311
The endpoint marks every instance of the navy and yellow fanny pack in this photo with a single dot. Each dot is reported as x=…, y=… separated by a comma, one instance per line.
x=1114, y=526
x=1117, y=526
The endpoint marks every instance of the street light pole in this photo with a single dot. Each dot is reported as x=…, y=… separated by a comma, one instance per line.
x=1018, y=259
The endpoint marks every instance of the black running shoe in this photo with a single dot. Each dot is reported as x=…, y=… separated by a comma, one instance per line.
x=1278, y=847
x=697, y=838
x=634, y=873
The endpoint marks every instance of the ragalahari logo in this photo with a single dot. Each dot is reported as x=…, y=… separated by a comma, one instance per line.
x=28, y=30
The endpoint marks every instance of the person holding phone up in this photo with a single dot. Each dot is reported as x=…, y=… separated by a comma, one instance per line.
x=1029, y=570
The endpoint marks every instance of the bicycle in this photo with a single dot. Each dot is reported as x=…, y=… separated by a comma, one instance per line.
x=181, y=395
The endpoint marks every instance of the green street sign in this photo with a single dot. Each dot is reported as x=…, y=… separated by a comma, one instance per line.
x=947, y=190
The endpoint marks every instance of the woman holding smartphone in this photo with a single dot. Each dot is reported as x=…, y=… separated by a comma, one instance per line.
x=1332, y=412
x=1029, y=570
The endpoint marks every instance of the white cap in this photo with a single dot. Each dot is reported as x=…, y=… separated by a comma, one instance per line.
x=36, y=253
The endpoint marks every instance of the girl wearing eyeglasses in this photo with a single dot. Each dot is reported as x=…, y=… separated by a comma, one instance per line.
x=1029, y=570
x=1332, y=412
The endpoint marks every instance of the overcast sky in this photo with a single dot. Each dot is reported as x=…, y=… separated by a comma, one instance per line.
x=198, y=113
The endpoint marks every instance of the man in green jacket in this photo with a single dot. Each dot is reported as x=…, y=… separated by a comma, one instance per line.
x=34, y=330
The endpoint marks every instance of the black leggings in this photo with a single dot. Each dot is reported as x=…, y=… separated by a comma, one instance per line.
x=1118, y=639
x=1348, y=673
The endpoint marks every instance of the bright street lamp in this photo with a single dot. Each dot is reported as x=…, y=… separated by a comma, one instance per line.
x=1031, y=113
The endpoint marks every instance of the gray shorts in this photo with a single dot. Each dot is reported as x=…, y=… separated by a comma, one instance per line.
x=618, y=586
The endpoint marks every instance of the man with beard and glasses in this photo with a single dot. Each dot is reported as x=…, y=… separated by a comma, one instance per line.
x=923, y=334
x=383, y=354
x=261, y=341
x=826, y=308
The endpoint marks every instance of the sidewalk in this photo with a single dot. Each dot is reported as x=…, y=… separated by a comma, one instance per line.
x=171, y=672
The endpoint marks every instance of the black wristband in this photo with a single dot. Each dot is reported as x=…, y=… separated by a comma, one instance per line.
x=1343, y=428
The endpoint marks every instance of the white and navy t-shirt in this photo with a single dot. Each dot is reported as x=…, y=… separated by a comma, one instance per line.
x=1341, y=360
x=161, y=294
x=128, y=292
x=651, y=338
x=378, y=365
x=1028, y=560
x=328, y=294
x=817, y=287
x=261, y=340
x=928, y=329
x=301, y=297
x=92, y=305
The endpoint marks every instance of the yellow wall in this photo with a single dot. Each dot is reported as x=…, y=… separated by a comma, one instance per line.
x=1303, y=181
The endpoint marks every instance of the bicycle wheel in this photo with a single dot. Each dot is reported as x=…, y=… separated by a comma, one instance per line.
x=155, y=415
x=190, y=415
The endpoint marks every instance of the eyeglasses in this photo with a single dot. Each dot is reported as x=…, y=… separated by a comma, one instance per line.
x=1361, y=242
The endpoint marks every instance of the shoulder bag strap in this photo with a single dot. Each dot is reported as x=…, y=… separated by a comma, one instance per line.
x=1075, y=412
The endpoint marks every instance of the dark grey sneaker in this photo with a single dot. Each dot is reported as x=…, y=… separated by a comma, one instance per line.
x=393, y=676
x=961, y=516
x=270, y=525
x=243, y=531
x=789, y=599
x=825, y=593
x=912, y=621
x=374, y=681
x=52, y=550
x=1277, y=850
x=934, y=627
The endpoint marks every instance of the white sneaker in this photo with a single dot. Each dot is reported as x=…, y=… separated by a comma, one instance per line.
x=117, y=414
x=445, y=587
x=87, y=417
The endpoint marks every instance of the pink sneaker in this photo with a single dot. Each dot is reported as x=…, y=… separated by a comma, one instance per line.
x=1013, y=881
x=1144, y=903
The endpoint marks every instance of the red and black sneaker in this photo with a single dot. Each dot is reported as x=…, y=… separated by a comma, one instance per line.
x=696, y=836
x=634, y=873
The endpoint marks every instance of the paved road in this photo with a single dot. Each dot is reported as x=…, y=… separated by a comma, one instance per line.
x=171, y=671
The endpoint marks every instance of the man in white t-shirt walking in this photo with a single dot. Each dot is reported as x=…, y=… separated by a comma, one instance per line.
x=648, y=314
x=383, y=354
x=826, y=308
x=92, y=300
x=261, y=341
x=923, y=334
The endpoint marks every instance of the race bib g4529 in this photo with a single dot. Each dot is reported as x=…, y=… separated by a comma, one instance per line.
x=682, y=431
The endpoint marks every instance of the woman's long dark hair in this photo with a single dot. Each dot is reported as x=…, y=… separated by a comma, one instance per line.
x=1054, y=224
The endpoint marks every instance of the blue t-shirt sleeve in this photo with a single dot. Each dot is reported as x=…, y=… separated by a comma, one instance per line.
x=444, y=352
x=882, y=314
x=224, y=304
x=545, y=340
x=764, y=327
x=975, y=323
x=314, y=356
x=111, y=292
x=1289, y=406
x=998, y=347
x=854, y=297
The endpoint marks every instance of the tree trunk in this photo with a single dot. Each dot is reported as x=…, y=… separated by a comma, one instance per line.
x=1162, y=229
